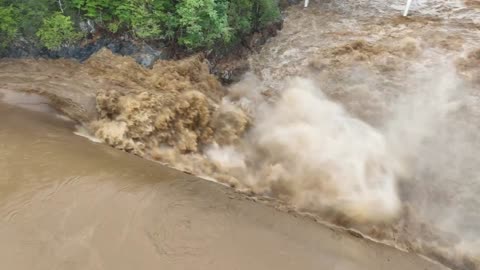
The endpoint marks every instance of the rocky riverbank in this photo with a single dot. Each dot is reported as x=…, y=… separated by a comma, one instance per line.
x=227, y=63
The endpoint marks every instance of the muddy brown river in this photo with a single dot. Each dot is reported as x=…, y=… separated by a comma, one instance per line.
x=67, y=203
x=352, y=115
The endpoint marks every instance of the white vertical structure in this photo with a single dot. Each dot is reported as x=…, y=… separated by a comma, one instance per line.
x=407, y=7
x=306, y=3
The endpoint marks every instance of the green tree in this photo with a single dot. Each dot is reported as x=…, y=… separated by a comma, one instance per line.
x=240, y=14
x=267, y=12
x=202, y=23
x=191, y=24
x=31, y=14
x=146, y=19
x=56, y=31
x=8, y=26
x=143, y=18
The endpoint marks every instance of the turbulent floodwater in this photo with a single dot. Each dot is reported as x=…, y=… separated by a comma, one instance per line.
x=356, y=115
x=415, y=81
x=66, y=203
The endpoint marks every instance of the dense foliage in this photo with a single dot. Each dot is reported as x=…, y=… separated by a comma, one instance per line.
x=8, y=25
x=193, y=24
x=56, y=30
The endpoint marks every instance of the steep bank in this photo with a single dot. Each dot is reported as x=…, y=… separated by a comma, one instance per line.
x=145, y=30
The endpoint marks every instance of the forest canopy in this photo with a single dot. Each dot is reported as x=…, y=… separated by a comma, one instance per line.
x=192, y=24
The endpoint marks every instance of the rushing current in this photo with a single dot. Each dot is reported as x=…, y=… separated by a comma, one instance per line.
x=352, y=114
x=415, y=81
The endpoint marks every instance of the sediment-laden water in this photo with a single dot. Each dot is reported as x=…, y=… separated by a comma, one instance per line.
x=354, y=114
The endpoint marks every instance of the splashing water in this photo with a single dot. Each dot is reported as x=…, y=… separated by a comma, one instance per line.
x=403, y=175
x=310, y=151
x=379, y=135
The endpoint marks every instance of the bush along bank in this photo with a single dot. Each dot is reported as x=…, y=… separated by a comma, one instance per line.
x=147, y=29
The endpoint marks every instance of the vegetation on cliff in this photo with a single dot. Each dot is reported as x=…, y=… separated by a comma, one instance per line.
x=190, y=24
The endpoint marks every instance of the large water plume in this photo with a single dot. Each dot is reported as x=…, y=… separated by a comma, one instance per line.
x=309, y=151
x=413, y=174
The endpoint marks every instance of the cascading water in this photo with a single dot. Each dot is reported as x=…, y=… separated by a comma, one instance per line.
x=353, y=113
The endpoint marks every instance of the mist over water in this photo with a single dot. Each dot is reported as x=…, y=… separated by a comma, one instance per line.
x=408, y=90
x=413, y=176
x=435, y=135
x=357, y=116
x=308, y=150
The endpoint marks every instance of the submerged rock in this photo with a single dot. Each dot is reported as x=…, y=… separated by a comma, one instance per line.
x=147, y=56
